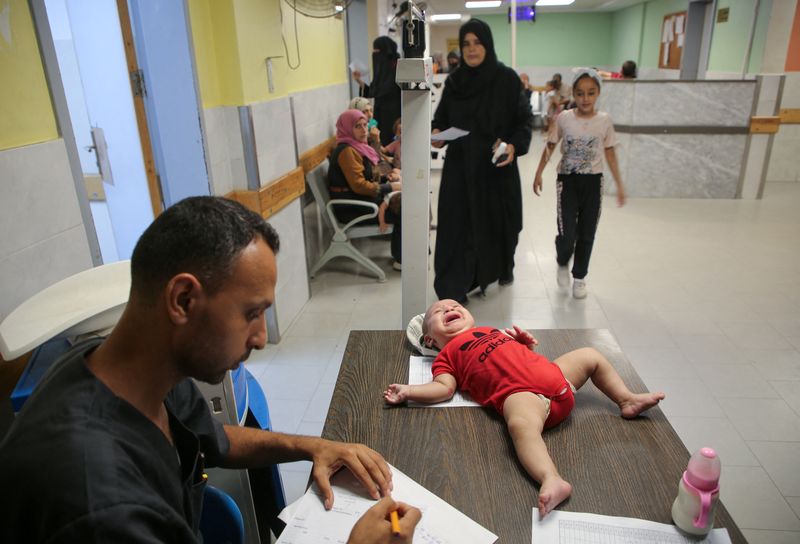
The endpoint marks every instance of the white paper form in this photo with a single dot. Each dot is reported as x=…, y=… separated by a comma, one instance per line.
x=440, y=523
x=574, y=527
x=419, y=372
x=358, y=66
x=450, y=134
x=679, y=21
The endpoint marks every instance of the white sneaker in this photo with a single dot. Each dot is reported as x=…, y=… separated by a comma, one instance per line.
x=579, y=288
x=563, y=276
x=397, y=266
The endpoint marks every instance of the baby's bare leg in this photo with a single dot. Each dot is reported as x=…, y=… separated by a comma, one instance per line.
x=582, y=364
x=525, y=416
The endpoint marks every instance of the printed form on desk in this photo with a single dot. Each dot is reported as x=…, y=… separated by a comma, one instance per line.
x=572, y=527
x=307, y=521
x=419, y=373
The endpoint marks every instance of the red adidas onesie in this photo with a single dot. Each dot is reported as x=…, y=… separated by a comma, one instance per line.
x=490, y=366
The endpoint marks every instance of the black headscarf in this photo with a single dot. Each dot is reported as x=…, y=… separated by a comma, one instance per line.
x=468, y=81
x=384, y=65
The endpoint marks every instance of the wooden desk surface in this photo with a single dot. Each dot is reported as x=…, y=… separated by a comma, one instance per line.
x=617, y=467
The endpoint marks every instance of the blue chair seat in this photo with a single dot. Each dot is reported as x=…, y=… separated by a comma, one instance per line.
x=221, y=521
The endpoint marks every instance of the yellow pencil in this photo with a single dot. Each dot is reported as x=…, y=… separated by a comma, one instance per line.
x=395, y=522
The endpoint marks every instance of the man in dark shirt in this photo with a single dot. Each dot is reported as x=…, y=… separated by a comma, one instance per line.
x=113, y=444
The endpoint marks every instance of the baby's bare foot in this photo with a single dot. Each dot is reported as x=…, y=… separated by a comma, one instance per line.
x=638, y=403
x=552, y=493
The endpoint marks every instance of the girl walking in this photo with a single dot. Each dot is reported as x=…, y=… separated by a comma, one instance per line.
x=586, y=136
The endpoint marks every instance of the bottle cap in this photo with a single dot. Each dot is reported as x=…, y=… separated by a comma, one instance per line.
x=704, y=469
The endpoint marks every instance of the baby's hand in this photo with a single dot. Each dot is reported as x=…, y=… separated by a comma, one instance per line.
x=396, y=393
x=523, y=337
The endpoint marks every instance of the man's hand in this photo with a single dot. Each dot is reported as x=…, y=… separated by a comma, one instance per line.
x=523, y=337
x=365, y=463
x=396, y=393
x=374, y=526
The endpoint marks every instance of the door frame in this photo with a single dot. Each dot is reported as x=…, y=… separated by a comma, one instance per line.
x=64, y=123
x=153, y=184
x=58, y=97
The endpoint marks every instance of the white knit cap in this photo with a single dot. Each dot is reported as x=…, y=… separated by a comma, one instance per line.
x=591, y=72
x=417, y=339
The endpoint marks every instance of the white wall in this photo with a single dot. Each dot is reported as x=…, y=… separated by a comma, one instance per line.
x=306, y=119
x=43, y=239
x=223, y=137
x=784, y=165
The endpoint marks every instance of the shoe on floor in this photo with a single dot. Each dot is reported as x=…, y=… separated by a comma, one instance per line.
x=506, y=281
x=579, y=289
x=563, y=276
x=397, y=266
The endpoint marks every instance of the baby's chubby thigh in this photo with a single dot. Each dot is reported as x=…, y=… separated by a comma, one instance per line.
x=525, y=412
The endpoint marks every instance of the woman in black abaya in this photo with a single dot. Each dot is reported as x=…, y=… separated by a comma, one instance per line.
x=480, y=203
x=383, y=87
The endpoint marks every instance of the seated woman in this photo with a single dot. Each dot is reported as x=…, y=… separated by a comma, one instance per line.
x=352, y=174
x=365, y=106
x=385, y=162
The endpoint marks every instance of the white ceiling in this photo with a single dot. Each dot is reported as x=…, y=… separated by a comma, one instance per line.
x=457, y=6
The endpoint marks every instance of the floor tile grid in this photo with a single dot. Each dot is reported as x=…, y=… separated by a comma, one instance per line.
x=647, y=287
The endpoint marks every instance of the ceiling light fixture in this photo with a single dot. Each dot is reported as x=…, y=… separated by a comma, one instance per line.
x=483, y=4
x=541, y=3
x=446, y=17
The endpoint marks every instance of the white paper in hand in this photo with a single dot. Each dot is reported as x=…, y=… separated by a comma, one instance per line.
x=449, y=135
x=358, y=66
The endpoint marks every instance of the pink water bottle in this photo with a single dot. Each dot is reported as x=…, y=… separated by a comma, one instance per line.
x=698, y=493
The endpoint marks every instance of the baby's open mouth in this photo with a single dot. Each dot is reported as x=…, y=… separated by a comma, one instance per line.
x=451, y=317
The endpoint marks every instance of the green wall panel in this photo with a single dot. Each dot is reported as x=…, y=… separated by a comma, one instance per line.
x=555, y=39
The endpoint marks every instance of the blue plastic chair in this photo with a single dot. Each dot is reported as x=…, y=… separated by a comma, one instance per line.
x=221, y=521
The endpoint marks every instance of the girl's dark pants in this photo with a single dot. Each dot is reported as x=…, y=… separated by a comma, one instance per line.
x=580, y=197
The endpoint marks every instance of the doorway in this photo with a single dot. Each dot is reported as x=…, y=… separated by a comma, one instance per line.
x=134, y=114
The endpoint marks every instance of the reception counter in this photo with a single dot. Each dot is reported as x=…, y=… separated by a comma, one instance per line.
x=693, y=139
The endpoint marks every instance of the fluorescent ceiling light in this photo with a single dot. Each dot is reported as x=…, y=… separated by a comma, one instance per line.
x=446, y=17
x=483, y=4
x=339, y=8
x=554, y=2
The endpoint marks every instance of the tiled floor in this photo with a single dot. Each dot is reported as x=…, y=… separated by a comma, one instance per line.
x=702, y=295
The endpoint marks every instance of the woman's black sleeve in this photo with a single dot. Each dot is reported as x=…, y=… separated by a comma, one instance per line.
x=440, y=117
x=523, y=125
x=363, y=90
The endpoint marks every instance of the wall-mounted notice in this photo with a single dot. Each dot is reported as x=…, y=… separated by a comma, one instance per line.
x=673, y=35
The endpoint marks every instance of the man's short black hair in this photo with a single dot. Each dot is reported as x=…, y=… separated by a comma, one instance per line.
x=200, y=235
x=629, y=69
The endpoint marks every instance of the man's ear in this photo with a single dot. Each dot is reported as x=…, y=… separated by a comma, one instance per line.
x=182, y=293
